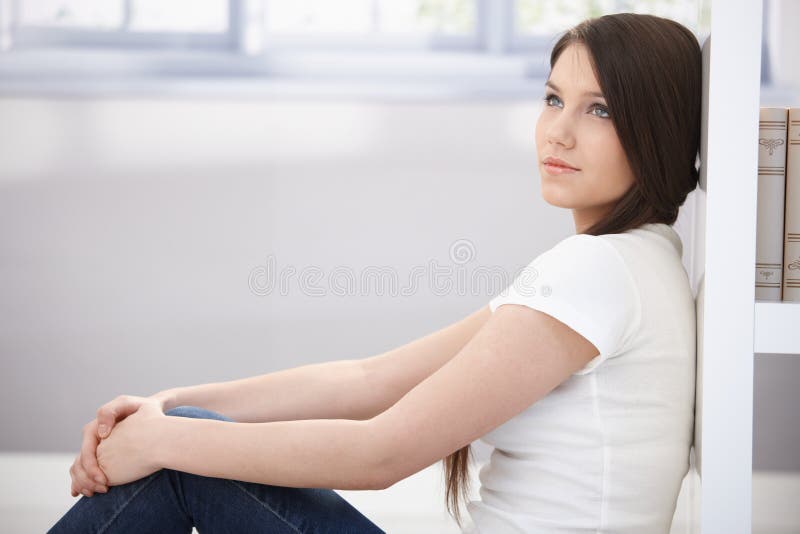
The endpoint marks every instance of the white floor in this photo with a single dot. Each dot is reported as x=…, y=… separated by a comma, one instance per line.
x=34, y=493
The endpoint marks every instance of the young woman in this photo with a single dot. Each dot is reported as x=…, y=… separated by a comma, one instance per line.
x=580, y=374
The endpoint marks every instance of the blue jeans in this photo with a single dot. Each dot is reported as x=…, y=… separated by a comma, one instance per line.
x=173, y=501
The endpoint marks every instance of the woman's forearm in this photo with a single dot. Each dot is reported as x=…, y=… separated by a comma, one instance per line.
x=317, y=453
x=328, y=390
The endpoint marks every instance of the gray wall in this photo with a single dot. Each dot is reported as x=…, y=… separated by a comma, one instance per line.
x=129, y=230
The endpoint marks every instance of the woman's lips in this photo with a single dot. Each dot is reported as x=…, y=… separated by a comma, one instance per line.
x=557, y=169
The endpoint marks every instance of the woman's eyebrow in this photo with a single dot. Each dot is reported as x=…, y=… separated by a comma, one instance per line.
x=589, y=93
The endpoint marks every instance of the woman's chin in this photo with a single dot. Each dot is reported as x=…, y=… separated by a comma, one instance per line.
x=556, y=198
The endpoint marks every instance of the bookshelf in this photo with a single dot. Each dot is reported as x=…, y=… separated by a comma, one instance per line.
x=731, y=325
x=777, y=327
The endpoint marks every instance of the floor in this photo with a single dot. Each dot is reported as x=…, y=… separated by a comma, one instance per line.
x=414, y=505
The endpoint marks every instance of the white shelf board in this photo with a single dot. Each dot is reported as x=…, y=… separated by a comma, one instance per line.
x=777, y=327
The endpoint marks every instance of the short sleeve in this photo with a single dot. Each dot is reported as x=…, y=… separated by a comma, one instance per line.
x=583, y=282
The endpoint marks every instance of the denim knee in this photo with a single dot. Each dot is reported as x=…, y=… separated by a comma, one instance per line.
x=197, y=413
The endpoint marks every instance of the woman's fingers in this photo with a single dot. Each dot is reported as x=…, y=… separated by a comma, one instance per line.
x=82, y=484
x=116, y=410
x=88, y=454
x=80, y=481
x=87, y=477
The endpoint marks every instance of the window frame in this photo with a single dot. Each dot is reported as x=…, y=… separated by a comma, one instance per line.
x=494, y=61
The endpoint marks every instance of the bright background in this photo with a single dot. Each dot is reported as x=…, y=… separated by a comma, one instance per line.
x=154, y=155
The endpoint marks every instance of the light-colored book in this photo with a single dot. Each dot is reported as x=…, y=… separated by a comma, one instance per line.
x=791, y=245
x=771, y=193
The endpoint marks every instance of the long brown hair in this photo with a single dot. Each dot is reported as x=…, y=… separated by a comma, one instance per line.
x=650, y=71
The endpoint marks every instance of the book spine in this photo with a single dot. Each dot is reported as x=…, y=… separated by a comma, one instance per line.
x=771, y=193
x=791, y=245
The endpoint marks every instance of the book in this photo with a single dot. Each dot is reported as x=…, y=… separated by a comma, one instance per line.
x=791, y=245
x=771, y=199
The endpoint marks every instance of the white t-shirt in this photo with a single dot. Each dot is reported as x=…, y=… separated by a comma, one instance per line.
x=607, y=449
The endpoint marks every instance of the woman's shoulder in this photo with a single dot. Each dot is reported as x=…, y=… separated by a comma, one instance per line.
x=593, y=252
x=658, y=236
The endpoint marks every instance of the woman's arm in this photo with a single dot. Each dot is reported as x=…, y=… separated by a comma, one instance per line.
x=342, y=389
x=305, y=420
x=398, y=371
x=330, y=390
x=327, y=390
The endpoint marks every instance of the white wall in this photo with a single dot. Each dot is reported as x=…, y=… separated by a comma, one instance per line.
x=129, y=229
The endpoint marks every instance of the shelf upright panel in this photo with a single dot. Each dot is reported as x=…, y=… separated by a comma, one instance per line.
x=729, y=155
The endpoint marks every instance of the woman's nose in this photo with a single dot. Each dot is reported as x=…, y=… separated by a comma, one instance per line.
x=560, y=131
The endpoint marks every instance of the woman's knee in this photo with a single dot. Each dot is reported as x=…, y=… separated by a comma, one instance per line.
x=197, y=413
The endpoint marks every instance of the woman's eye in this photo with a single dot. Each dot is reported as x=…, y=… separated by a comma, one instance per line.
x=605, y=115
x=604, y=110
x=547, y=98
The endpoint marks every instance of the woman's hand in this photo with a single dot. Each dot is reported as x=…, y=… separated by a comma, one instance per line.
x=87, y=476
x=127, y=454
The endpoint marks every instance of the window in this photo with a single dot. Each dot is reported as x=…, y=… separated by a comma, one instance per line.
x=204, y=16
x=296, y=23
x=371, y=24
x=420, y=17
x=536, y=21
x=120, y=23
x=473, y=43
x=92, y=15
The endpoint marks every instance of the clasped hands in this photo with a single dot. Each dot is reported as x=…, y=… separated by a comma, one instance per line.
x=113, y=458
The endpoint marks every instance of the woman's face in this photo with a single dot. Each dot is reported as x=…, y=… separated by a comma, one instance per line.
x=576, y=127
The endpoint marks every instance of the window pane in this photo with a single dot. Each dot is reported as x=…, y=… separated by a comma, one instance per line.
x=454, y=17
x=687, y=13
x=319, y=16
x=206, y=16
x=704, y=17
x=542, y=17
x=92, y=14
